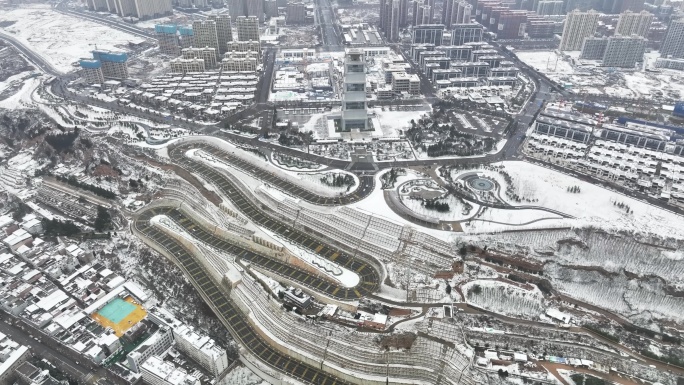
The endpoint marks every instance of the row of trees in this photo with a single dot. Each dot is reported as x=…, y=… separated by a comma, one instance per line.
x=64, y=141
x=433, y=204
x=337, y=180
x=97, y=190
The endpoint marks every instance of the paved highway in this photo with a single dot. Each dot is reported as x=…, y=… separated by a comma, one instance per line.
x=325, y=18
x=230, y=314
x=365, y=188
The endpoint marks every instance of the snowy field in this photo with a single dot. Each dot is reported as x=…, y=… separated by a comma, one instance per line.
x=587, y=77
x=594, y=205
x=504, y=298
x=392, y=122
x=61, y=39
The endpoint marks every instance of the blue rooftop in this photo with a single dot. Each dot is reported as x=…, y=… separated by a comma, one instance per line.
x=185, y=31
x=90, y=63
x=116, y=57
x=163, y=28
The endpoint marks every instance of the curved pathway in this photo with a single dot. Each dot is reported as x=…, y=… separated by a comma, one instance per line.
x=227, y=311
x=365, y=188
x=366, y=267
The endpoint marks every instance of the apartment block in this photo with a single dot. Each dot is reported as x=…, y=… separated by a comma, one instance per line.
x=182, y=66
x=631, y=23
x=247, y=64
x=296, y=13
x=205, y=34
x=466, y=33
x=92, y=71
x=207, y=54
x=224, y=32
x=156, y=371
x=673, y=45
x=624, y=51
x=428, y=34
x=167, y=36
x=247, y=28
x=403, y=82
x=578, y=26
x=114, y=64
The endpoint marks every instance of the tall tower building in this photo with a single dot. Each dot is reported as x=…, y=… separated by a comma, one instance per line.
x=549, y=8
x=394, y=22
x=464, y=13
x=255, y=8
x=403, y=13
x=204, y=34
x=354, y=109
x=447, y=8
x=247, y=28
x=673, y=45
x=224, y=33
x=578, y=26
x=431, y=4
x=239, y=8
x=631, y=23
x=114, y=64
x=624, y=51
x=167, y=36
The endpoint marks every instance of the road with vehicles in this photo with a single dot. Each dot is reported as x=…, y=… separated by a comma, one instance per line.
x=325, y=19
x=227, y=311
x=366, y=182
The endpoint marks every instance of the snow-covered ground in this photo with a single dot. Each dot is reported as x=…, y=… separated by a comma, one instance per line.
x=594, y=205
x=22, y=98
x=61, y=39
x=12, y=80
x=393, y=121
x=504, y=298
x=588, y=77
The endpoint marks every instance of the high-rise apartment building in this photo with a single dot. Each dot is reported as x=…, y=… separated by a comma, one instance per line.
x=403, y=13
x=186, y=37
x=114, y=64
x=354, y=108
x=466, y=33
x=92, y=71
x=594, y=48
x=167, y=36
x=248, y=28
x=239, y=8
x=615, y=51
x=673, y=45
x=224, y=33
x=578, y=26
x=205, y=35
x=624, y=51
x=550, y=8
x=271, y=8
x=428, y=34
x=464, y=13
x=141, y=9
x=296, y=13
x=456, y=12
x=631, y=23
